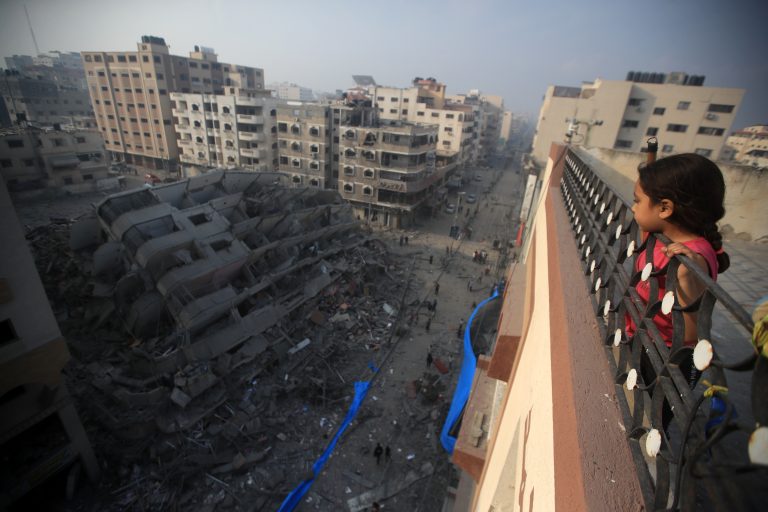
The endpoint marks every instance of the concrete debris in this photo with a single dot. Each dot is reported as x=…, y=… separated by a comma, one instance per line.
x=184, y=310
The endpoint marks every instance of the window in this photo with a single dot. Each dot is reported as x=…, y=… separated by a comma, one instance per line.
x=393, y=111
x=703, y=152
x=683, y=105
x=314, y=165
x=295, y=129
x=708, y=130
x=379, y=98
x=15, y=143
x=667, y=148
x=296, y=163
x=630, y=123
x=349, y=188
x=724, y=109
x=392, y=99
x=622, y=144
x=449, y=116
x=405, y=112
x=314, y=131
x=29, y=162
x=435, y=114
x=420, y=114
x=350, y=153
x=295, y=146
x=367, y=191
x=349, y=170
x=131, y=58
x=227, y=127
x=635, y=102
x=651, y=131
x=314, y=148
x=87, y=177
x=368, y=173
x=284, y=160
x=121, y=58
x=58, y=142
x=80, y=140
x=680, y=128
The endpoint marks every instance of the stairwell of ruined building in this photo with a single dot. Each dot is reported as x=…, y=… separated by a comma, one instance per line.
x=542, y=429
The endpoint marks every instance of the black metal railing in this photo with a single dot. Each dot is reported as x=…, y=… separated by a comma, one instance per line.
x=690, y=446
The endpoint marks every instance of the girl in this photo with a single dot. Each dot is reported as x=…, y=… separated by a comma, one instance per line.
x=681, y=197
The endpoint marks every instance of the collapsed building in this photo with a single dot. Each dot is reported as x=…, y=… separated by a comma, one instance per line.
x=214, y=309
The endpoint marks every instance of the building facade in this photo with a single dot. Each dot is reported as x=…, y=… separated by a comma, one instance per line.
x=621, y=114
x=305, y=147
x=43, y=99
x=36, y=158
x=130, y=94
x=426, y=102
x=226, y=130
x=748, y=146
x=389, y=169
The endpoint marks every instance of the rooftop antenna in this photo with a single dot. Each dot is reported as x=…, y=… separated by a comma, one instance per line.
x=34, y=40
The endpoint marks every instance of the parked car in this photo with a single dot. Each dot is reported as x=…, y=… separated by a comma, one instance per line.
x=450, y=208
x=471, y=198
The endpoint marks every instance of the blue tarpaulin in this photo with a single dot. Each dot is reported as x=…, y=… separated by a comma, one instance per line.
x=464, y=385
x=293, y=499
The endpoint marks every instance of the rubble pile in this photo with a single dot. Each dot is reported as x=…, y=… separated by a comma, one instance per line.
x=216, y=326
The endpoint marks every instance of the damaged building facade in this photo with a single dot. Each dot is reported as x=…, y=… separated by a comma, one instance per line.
x=389, y=169
x=308, y=154
x=232, y=130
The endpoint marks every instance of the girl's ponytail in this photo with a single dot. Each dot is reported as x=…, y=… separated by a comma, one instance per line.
x=715, y=239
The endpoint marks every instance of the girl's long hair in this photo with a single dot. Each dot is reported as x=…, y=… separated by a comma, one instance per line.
x=696, y=187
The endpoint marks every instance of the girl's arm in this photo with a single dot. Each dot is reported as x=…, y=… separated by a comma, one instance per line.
x=689, y=287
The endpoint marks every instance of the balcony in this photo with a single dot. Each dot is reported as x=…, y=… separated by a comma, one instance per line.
x=254, y=136
x=244, y=118
x=254, y=153
x=576, y=422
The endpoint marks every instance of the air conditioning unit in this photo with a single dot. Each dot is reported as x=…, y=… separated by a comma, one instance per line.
x=711, y=117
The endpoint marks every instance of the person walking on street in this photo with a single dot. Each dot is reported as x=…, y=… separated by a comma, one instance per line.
x=429, y=359
x=450, y=361
x=460, y=329
x=437, y=288
x=429, y=322
x=430, y=259
x=377, y=453
x=406, y=240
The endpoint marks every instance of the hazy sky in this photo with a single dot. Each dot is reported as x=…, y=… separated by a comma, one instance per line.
x=513, y=48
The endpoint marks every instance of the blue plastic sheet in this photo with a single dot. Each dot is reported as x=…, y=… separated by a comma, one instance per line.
x=464, y=385
x=293, y=499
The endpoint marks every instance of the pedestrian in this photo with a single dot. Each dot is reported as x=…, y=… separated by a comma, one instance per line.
x=474, y=305
x=469, y=284
x=429, y=359
x=429, y=322
x=377, y=453
x=447, y=250
x=406, y=240
x=430, y=259
x=460, y=329
x=437, y=288
x=450, y=361
x=387, y=454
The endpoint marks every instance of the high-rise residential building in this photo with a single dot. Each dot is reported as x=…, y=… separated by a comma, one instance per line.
x=37, y=158
x=305, y=144
x=677, y=109
x=426, y=102
x=130, y=93
x=41, y=99
x=748, y=146
x=226, y=130
x=507, y=123
x=389, y=168
x=18, y=62
x=292, y=92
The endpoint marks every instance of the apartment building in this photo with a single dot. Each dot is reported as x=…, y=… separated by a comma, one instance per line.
x=37, y=158
x=426, y=102
x=748, y=146
x=489, y=110
x=43, y=99
x=305, y=144
x=130, y=94
x=231, y=130
x=388, y=168
x=677, y=109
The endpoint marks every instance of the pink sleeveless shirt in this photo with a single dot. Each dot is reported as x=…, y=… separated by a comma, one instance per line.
x=664, y=322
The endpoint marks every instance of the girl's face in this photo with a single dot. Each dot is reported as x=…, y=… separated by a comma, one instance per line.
x=647, y=214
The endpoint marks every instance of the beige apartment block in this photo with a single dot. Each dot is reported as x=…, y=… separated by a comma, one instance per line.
x=507, y=123
x=130, y=94
x=304, y=144
x=623, y=114
x=426, y=102
x=226, y=130
x=37, y=158
x=748, y=146
x=388, y=169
